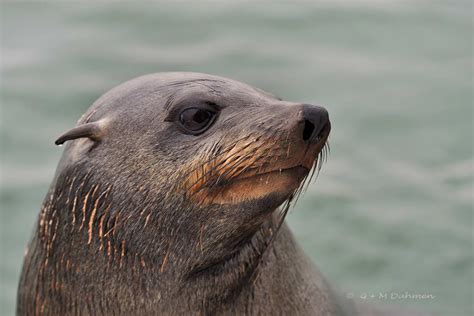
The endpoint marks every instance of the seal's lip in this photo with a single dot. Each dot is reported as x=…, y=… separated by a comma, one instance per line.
x=256, y=186
x=299, y=170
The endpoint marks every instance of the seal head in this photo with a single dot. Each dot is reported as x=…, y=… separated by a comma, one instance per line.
x=168, y=187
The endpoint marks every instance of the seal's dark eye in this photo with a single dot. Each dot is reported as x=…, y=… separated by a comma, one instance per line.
x=196, y=120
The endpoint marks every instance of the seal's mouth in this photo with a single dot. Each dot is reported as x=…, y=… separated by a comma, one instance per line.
x=264, y=176
x=308, y=160
x=280, y=178
x=253, y=186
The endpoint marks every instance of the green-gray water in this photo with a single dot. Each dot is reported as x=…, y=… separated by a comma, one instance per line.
x=391, y=210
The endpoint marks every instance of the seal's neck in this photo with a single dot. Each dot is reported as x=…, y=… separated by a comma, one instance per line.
x=236, y=270
x=84, y=231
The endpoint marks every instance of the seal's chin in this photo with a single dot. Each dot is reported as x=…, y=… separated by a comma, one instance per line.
x=279, y=184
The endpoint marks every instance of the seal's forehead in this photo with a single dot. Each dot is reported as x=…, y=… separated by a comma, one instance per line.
x=214, y=84
x=171, y=83
x=169, y=87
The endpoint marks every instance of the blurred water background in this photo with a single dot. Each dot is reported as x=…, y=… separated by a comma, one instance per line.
x=391, y=211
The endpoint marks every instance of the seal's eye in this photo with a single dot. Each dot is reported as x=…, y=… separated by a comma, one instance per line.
x=196, y=120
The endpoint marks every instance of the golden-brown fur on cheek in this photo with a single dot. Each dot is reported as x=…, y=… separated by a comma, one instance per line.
x=211, y=170
x=223, y=176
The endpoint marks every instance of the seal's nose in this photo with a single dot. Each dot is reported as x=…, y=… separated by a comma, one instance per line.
x=315, y=119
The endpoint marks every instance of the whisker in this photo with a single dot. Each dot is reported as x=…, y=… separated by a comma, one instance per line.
x=224, y=164
x=231, y=169
x=219, y=164
x=283, y=214
x=230, y=172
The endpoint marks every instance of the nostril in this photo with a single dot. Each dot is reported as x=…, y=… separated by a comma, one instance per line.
x=316, y=122
x=308, y=130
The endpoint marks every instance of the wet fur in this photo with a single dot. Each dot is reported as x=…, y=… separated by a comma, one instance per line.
x=130, y=225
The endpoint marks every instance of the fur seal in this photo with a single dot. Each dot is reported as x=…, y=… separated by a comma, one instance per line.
x=170, y=198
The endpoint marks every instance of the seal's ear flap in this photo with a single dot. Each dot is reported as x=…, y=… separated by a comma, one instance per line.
x=93, y=130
